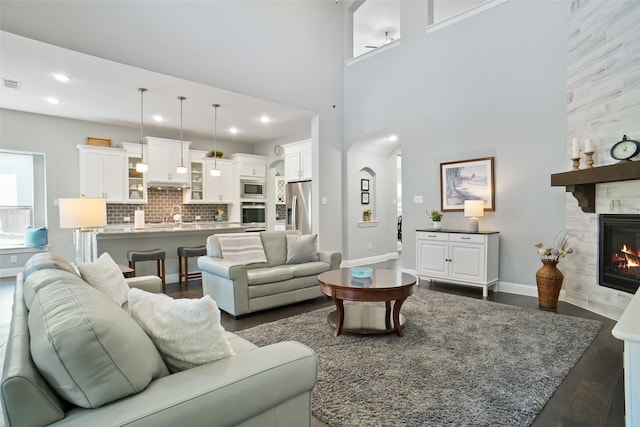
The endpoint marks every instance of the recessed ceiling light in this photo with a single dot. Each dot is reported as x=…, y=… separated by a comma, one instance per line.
x=233, y=130
x=158, y=118
x=51, y=100
x=61, y=77
x=265, y=119
x=393, y=138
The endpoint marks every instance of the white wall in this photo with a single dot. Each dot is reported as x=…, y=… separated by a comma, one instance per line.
x=287, y=52
x=491, y=85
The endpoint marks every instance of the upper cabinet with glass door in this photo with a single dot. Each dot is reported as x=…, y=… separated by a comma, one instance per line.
x=197, y=180
x=135, y=182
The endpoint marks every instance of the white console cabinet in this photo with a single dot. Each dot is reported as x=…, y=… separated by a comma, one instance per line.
x=469, y=259
x=628, y=330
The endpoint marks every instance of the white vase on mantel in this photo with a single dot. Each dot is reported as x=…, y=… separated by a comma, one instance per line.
x=436, y=225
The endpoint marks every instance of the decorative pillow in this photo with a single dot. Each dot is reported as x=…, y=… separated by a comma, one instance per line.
x=89, y=350
x=35, y=237
x=302, y=248
x=105, y=275
x=186, y=332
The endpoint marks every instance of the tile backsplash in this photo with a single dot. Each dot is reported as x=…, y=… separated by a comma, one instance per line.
x=158, y=206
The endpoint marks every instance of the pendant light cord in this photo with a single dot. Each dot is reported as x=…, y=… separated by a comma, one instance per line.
x=181, y=98
x=142, y=91
x=215, y=135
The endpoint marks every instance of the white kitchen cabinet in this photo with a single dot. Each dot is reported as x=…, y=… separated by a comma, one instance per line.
x=163, y=159
x=102, y=173
x=135, y=184
x=253, y=169
x=297, y=161
x=219, y=189
x=455, y=257
x=251, y=165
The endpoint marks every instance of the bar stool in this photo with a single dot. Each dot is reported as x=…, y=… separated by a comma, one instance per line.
x=157, y=255
x=183, y=263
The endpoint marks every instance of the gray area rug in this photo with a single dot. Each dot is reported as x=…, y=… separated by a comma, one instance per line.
x=462, y=362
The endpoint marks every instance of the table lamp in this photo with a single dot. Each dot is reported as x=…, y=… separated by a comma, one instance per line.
x=83, y=215
x=473, y=209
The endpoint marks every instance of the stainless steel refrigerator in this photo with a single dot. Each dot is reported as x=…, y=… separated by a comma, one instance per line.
x=299, y=206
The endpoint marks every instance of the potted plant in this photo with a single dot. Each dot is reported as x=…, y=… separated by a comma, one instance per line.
x=215, y=153
x=366, y=215
x=435, y=217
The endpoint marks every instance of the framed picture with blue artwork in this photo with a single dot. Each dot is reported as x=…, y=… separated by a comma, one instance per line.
x=466, y=180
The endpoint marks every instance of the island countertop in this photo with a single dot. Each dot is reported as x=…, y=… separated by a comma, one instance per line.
x=117, y=240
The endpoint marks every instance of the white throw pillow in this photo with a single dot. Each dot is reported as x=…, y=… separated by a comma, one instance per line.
x=301, y=249
x=105, y=275
x=186, y=332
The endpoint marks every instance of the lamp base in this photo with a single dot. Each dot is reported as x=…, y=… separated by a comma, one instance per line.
x=83, y=243
x=473, y=225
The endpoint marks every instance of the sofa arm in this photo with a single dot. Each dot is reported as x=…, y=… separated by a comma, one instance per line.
x=334, y=259
x=221, y=267
x=222, y=393
x=146, y=283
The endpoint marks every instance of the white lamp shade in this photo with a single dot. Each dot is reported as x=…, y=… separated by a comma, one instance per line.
x=473, y=208
x=215, y=172
x=181, y=170
x=82, y=213
x=142, y=167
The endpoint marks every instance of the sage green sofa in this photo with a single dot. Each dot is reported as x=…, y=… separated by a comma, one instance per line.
x=240, y=288
x=258, y=386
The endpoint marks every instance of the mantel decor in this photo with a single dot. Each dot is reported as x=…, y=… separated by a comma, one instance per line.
x=466, y=180
x=582, y=183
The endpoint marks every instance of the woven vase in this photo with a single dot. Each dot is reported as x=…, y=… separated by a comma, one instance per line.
x=549, y=281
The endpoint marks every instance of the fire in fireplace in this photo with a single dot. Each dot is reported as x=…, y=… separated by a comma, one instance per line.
x=619, y=252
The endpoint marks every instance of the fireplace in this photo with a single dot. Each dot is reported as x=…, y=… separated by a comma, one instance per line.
x=619, y=252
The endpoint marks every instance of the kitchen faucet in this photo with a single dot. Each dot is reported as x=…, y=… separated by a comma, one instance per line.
x=177, y=217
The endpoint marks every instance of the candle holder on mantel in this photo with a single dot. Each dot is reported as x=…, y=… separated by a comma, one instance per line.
x=576, y=163
x=589, y=158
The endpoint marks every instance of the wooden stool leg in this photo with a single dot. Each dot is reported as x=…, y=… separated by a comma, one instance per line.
x=133, y=265
x=163, y=276
x=179, y=271
x=186, y=272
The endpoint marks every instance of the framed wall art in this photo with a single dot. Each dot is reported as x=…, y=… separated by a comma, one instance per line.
x=364, y=185
x=466, y=180
x=364, y=198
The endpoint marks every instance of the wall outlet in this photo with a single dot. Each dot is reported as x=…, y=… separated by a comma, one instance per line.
x=14, y=259
x=417, y=199
x=369, y=247
x=198, y=217
x=324, y=201
x=127, y=218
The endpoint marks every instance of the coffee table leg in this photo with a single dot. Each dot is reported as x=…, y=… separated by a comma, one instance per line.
x=396, y=316
x=387, y=315
x=340, y=317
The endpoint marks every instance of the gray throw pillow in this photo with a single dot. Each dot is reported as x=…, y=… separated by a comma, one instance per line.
x=89, y=350
x=302, y=249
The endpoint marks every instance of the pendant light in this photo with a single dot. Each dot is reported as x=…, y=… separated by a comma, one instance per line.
x=182, y=169
x=215, y=171
x=141, y=166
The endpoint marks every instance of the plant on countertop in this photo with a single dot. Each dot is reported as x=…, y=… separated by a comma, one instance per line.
x=558, y=250
x=434, y=215
x=214, y=153
x=367, y=212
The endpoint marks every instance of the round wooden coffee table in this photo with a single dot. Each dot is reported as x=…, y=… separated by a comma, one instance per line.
x=383, y=286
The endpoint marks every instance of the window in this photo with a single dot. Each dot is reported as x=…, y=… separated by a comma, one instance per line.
x=23, y=196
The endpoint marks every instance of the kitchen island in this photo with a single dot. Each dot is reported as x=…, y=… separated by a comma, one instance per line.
x=118, y=239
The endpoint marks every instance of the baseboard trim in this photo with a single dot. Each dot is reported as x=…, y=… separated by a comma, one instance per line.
x=370, y=260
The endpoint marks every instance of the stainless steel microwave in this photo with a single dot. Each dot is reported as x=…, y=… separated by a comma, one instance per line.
x=252, y=189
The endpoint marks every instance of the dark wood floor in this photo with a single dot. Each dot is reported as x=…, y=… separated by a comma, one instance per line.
x=591, y=395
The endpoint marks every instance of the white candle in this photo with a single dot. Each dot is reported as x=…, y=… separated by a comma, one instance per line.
x=575, y=150
x=588, y=146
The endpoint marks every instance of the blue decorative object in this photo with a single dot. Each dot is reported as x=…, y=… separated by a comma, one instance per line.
x=361, y=272
x=35, y=237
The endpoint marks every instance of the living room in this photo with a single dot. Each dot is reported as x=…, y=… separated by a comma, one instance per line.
x=493, y=85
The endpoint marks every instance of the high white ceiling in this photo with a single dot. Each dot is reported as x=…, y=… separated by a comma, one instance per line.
x=107, y=92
